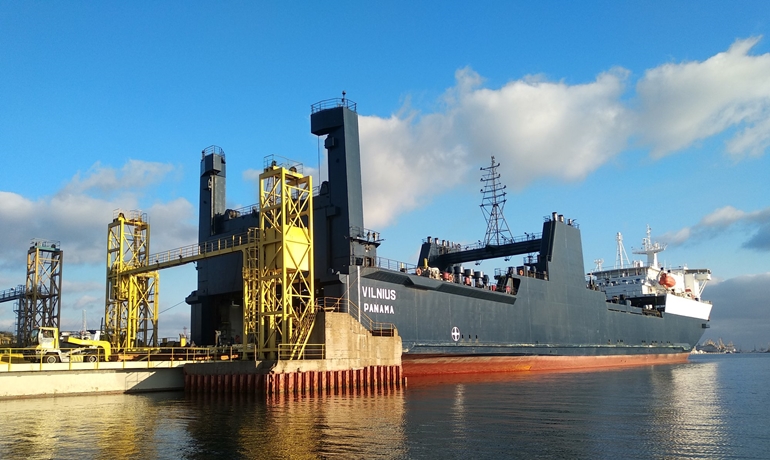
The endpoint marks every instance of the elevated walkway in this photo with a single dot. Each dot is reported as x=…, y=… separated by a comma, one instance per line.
x=191, y=253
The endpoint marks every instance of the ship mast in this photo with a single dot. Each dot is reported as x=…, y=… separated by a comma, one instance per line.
x=492, y=205
x=598, y=266
x=650, y=249
x=621, y=258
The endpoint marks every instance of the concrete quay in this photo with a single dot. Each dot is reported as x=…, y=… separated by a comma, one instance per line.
x=354, y=360
x=68, y=379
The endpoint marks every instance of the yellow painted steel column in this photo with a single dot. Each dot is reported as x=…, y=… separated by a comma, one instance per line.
x=250, y=333
x=131, y=307
x=286, y=310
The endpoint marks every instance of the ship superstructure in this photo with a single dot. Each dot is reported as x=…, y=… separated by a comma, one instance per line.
x=653, y=287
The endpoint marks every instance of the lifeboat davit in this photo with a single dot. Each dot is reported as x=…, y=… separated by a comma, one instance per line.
x=667, y=280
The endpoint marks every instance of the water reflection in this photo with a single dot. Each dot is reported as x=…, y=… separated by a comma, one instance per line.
x=219, y=426
x=107, y=426
x=713, y=407
x=689, y=414
x=459, y=421
x=357, y=426
x=644, y=412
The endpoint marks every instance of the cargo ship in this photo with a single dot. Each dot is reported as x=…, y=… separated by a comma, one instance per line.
x=542, y=314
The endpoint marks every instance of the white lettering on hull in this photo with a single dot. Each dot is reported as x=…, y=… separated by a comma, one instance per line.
x=377, y=308
x=378, y=294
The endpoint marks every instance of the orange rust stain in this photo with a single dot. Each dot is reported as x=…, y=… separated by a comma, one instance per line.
x=434, y=365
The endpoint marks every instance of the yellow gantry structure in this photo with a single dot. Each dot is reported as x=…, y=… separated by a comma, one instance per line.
x=278, y=291
x=281, y=317
x=131, y=310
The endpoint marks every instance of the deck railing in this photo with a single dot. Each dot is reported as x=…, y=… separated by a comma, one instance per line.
x=377, y=328
x=332, y=103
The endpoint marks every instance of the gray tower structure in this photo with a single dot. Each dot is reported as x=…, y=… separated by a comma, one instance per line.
x=212, y=191
x=216, y=303
x=340, y=239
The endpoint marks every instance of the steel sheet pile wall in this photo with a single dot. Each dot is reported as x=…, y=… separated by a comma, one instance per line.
x=371, y=378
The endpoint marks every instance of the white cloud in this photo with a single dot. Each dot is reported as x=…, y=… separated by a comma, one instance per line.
x=8, y=325
x=533, y=127
x=77, y=216
x=79, y=213
x=722, y=220
x=723, y=217
x=541, y=129
x=76, y=220
x=86, y=302
x=544, y=129
x=251, y=175
x=170, y=225
x=81, y=286
x=753, y=140
x=135, y=174
x=406, y=162
x=687, y=102
x=677, y=237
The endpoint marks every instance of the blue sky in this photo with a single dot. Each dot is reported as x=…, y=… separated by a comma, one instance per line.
x=616, y=114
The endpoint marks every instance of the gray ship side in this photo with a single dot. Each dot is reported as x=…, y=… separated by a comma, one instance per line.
x=550, y=315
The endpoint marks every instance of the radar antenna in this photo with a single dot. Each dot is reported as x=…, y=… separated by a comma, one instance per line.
x=492, y=205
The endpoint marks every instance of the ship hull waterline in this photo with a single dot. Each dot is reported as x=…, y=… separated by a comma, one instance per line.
x=424, y=365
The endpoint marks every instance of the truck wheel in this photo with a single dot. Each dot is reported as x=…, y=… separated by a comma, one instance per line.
x=91, y=358
x=51, y=359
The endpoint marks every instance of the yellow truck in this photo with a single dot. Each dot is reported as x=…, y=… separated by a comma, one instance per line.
x=51, y=348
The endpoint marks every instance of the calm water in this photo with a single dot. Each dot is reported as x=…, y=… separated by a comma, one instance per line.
x=712, y=407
